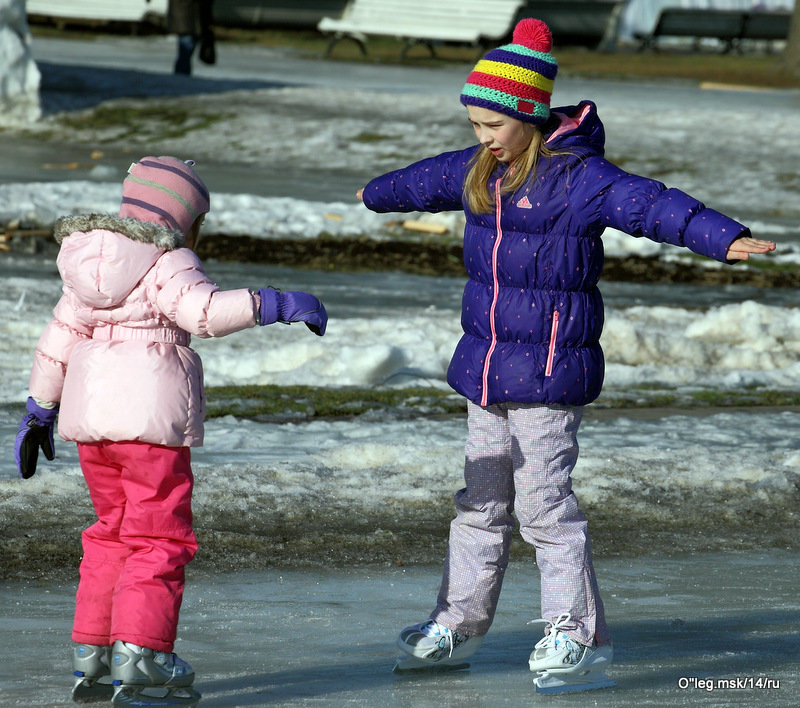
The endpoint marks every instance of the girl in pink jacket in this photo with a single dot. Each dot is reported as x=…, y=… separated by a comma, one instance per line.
x=114, y=365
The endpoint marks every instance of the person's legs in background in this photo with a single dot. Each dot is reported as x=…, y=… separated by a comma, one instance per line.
x=186, y=46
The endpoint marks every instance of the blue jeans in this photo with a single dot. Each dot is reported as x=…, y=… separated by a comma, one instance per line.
x=186, y=47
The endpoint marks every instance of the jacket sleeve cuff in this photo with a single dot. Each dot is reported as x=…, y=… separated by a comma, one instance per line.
x=268, y=307
x=45, y=413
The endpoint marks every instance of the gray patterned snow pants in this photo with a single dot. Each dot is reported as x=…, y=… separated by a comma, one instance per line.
x=519, y=458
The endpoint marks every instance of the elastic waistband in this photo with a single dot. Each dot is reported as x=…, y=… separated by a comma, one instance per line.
x=165, y=335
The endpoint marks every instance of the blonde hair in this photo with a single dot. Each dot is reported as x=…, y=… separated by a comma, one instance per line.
x=520, y=172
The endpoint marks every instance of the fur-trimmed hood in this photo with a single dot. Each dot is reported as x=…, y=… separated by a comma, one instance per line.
x=103, y=258
x=166, y=239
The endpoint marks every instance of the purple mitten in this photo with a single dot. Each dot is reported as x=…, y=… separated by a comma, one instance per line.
x=294, y=306
x=35, y=431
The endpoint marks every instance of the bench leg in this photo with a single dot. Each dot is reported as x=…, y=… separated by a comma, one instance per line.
x=608, y=42
x=336, y=38
x=411, y=42
x=645, y=44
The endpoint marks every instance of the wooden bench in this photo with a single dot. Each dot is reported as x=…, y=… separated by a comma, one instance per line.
x=767, y=25
x=698, y=23
x=728, y=26
x=423, y=21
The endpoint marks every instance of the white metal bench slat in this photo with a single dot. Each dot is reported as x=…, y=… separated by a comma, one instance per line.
x=446, y=20
x=116, y=10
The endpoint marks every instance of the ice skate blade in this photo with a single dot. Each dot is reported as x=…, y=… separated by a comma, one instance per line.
x=91, y=690
x=553, y=683
x=155, y=696
x=411, y=664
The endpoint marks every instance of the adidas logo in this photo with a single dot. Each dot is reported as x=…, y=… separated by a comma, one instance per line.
x=524, y=203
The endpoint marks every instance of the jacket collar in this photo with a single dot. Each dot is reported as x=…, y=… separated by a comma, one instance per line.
x=160, y=236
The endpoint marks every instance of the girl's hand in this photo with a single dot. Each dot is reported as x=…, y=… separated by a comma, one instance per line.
x=741, y=248
x=360, y=195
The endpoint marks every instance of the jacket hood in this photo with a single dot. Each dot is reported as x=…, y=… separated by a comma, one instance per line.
x=144, y=231
x=580, y=130
x=102, y=257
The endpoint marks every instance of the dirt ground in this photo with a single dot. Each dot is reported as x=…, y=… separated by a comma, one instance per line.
x=430, y=258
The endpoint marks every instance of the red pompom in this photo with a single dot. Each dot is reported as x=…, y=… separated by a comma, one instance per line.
x=534, y=34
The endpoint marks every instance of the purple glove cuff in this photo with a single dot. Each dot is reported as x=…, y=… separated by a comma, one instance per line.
x=268, y=309
x=45, y=416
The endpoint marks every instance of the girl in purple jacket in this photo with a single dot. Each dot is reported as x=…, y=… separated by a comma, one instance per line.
x=537, y=194
x=115, y=366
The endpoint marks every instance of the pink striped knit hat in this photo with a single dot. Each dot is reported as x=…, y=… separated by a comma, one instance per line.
x=516, y=79
x=164, y=191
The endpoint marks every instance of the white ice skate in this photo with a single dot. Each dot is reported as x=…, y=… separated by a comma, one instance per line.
x=90, y=666
x=146, y=677
x=432, y=646
x=563, y=665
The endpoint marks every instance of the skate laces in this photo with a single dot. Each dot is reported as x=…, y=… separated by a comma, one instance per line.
x=556, y=634
x=433, y=629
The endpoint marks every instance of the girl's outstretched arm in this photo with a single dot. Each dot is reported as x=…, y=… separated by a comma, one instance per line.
x=741, y=248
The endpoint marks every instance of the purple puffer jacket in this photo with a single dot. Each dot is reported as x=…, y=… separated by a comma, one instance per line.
x=531, y=311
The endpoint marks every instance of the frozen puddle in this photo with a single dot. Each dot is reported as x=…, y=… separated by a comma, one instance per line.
x=695, y=630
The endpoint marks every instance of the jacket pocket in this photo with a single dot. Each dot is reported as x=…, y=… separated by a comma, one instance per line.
x=551, y=349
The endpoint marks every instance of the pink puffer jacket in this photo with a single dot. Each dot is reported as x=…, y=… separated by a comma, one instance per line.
x=116, y=354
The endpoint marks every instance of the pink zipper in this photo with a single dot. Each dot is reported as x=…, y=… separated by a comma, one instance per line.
x=551, y=350
x=485, y=394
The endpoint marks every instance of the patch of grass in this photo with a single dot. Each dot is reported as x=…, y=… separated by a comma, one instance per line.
x=663, y=400
x=169, y=121
x=747, y=398
x=280, y=403
x=367, y=137
x=655, y=397
x=757, y=70
x=771, y=265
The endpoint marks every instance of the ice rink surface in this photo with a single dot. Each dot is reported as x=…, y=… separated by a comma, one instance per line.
x=709, y=630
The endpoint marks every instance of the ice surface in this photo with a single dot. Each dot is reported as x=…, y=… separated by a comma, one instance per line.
x=680, y=627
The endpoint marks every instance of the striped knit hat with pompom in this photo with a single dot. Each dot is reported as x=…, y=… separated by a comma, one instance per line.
x=516, y=79
x=164, y=191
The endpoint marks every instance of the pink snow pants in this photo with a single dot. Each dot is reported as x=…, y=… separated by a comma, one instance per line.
x=132, y=572
x=519, y=458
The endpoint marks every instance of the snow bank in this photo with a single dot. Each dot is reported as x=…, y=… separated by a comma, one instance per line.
x=19, y=77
